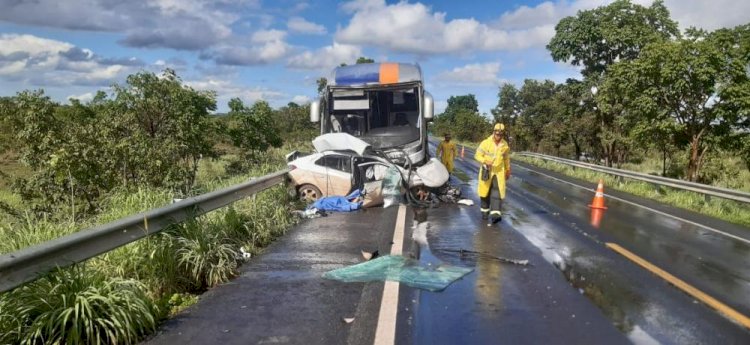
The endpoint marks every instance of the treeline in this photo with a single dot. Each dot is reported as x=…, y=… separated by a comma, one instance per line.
x=152, y=131
x=646, y=87
x=462, y=120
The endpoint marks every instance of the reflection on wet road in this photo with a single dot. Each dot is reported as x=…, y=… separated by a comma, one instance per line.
x=556, y=231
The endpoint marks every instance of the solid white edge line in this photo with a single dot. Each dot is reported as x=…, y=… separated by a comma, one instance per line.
x=645, y=207
x=385, y=333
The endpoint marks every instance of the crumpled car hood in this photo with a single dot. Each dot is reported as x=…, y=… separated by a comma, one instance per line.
x=340, y=142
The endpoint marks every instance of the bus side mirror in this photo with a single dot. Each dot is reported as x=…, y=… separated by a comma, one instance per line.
x=429, y=106
x=314, y=111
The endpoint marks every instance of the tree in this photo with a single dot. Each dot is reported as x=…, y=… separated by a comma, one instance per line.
x=294, y=121
x=153, y=132
x=535, y=99
x=575, y=117
x=252, y=129
x=322, y=83
x=166, y=124
x=462, y=118
x=508, y=107
x=701, y=83
x=596, y=39
x=363, y=59
x=600, y=38
x=457, y=103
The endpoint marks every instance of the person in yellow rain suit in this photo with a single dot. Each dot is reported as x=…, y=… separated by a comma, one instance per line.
x=493, y=155
x=447, y=151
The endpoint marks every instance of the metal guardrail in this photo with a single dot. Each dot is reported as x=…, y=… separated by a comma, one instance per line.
x=724, y=193
x=30, y=263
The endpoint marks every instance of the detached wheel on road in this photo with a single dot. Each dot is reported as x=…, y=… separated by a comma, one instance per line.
x=309, y=193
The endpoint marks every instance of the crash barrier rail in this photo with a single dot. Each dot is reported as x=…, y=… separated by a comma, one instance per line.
x=707, y=190
x=33, y=262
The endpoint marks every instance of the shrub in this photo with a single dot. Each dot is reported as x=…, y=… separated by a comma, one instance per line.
x=77, y=306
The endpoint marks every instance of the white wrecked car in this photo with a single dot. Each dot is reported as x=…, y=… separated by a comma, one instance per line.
x=344, y=163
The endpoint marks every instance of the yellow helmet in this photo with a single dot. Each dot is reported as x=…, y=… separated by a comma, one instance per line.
x=499, y=127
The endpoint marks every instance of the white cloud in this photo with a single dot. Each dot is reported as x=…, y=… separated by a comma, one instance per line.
x=326, y=57
x=40, y=61
x=415, y=28
x=264, y=36
x=709, y=15
x=300, y=25
x=264, y=47
x=183, y=25
x=486, y=73
x=301, y=99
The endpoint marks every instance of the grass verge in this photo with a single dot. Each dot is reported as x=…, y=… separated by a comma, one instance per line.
x=728, y=210
x=120, y=296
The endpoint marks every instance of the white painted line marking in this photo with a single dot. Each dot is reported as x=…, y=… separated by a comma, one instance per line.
x=645, y=207
x=385, y=333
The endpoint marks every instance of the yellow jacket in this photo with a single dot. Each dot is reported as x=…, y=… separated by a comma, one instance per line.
x=500, y=156
x=446, y=151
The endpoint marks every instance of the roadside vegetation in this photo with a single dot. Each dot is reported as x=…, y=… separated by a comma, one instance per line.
x=651, y=99
x=728, y=210
x=67, y=167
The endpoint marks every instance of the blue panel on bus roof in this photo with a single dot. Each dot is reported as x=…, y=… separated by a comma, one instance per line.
x=358, y=74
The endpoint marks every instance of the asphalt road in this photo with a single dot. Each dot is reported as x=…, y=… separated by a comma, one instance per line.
x=554, y=216
x=574, y=290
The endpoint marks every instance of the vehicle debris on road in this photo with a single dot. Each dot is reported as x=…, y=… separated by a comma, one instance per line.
x=310, y=213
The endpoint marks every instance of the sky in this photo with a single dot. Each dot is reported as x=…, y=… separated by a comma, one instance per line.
x=275, y=50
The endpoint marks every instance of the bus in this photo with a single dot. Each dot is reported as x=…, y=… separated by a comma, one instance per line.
x=383, y=104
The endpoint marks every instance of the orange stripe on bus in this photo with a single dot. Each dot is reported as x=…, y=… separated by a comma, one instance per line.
x=388, y=73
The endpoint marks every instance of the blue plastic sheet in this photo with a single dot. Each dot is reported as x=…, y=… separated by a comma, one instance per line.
x=339, y=203
x=400, y=269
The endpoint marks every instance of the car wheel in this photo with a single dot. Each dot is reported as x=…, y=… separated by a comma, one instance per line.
x=308, y=192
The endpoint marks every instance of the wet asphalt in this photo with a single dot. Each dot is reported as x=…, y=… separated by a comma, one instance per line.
x=574, y=289
x=281, y=297
x=555, y=218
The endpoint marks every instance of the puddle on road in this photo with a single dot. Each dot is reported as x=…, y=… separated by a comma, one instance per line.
x=608, y=292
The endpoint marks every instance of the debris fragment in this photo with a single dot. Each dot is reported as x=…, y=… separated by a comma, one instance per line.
x=348, y=319
x=245, y=254
x=310, y=213
x=370, y=255
x=467, y=202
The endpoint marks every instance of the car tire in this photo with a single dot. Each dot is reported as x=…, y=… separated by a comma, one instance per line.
x=309, y=193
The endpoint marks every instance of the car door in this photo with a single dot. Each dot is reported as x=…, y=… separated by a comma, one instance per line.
x=334, y=174
x=371, y=175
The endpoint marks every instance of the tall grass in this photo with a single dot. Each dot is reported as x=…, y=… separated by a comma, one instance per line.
x=77, y=306
x=728, y=210
x=119, y=296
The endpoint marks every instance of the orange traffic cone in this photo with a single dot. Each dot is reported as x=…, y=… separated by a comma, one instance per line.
x=463, y=148
x=596, y=217
x=598, y=201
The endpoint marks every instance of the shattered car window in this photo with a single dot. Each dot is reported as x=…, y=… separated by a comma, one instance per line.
x=340, y=163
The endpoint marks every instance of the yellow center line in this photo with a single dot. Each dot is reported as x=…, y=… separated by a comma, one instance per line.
x=385, y=333
x=687, y=288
